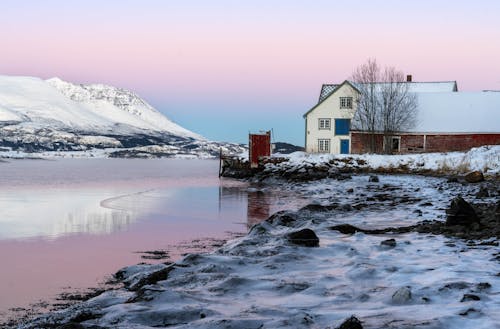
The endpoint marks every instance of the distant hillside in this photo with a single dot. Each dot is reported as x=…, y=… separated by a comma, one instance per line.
x=53, y=115
x=286, y=148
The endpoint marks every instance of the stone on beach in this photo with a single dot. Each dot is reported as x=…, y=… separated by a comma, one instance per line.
x=474, y=177
x=402, y=295
x=351, y=323
x=460, y=213
x=305, y=237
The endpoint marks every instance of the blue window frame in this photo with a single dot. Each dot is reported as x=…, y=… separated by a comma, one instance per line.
x=342, y=126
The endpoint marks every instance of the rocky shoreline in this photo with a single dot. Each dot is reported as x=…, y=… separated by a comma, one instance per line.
x=333, y=219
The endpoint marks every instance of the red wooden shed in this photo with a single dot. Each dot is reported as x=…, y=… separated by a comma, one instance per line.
x=259, y=145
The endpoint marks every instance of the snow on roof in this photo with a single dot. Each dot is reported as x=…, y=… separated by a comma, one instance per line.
x=433, y=87
x=326, y=91
x=416, y=87
x=458, y=112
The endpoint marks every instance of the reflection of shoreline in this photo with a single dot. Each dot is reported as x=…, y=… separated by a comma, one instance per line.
x=260, y=204
x=258, y=207
x=58, y=213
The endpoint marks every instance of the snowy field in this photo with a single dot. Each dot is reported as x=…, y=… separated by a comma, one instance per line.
x=264, y=280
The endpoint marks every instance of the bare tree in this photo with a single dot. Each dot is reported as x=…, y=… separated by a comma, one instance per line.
x=366, y=77
x=399, y=105
x=385, y=104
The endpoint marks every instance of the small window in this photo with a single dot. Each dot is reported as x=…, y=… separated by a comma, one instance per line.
x=346, y=102
x=342, y=126
x=324, y=145
x=324, y=124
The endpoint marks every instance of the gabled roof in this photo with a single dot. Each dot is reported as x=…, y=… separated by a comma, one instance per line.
x=327, y=90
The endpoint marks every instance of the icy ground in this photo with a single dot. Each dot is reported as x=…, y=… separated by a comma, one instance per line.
x=264, y=281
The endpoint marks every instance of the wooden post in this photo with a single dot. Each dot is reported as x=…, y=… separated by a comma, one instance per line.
x=220, y=162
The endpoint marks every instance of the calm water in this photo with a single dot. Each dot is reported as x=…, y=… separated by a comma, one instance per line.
x=70, y=223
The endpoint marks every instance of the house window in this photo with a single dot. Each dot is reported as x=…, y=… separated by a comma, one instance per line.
x=342, y=126
x=346, y=102
x=324, y=124
x=324, y=145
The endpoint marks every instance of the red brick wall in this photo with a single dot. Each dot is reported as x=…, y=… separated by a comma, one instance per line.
x=360, y=143
x=414, y=143
x=443, y=143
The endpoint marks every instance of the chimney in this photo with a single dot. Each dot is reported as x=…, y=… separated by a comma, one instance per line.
x=408, y=78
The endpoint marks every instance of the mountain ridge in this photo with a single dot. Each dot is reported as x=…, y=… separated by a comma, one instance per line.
x=39, y=115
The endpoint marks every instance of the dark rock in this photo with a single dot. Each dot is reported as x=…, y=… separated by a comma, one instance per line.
x=305, y=237
x=373, y=179
x=345, y=228
x=281, y=218
x=460, y=213
x=453, y=179
x=474, y=177
x=483, y=285
x=482, y=193
x=351, y=323
x=318, y=207
x=391, y=243
x=469, y=311
x=470, y=297
x=455, y=285
x=152, y=278
x=350, y=190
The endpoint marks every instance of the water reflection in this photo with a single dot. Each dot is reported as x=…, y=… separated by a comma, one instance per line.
x=260, y=204
x=54, y=213
x=258, y=207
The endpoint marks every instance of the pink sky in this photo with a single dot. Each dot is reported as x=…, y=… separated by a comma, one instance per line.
x=222, y=68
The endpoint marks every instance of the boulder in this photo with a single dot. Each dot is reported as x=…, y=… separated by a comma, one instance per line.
x=391, y=243
x=345, y=228
x=351, y=323
x=402, y=295
x=470, y=298
x=474, y=177
x=305, y=237
x=460, y=213
x=373, y=179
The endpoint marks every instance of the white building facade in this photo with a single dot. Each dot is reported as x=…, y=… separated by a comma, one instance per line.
x=328, y=123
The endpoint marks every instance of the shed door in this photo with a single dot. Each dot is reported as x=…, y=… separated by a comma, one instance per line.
x=260, y=145
x=344, y=146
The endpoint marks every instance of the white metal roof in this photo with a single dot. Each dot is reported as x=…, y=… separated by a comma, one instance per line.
x=458, y=112
x=416, y=87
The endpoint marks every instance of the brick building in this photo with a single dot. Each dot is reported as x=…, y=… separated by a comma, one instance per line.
x=448, y=121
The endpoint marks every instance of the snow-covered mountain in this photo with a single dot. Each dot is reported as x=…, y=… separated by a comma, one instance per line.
x=54, y=115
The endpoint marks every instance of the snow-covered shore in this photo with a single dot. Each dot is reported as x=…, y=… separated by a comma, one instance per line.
x=265, y=280
x=306, y=166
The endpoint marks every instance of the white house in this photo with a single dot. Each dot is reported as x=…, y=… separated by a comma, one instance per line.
x=327, y=124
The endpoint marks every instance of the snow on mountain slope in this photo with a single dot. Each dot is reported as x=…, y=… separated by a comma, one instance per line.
x=120, y=105
x=36, y=104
